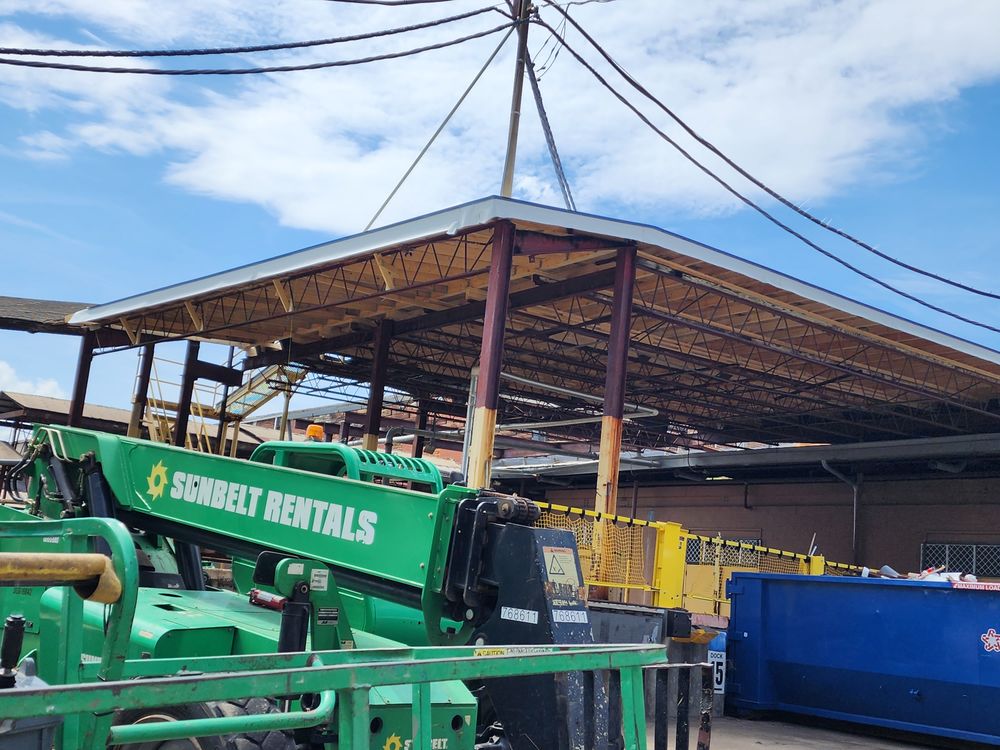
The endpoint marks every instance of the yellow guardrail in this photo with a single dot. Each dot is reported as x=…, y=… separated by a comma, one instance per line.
x=662, y=564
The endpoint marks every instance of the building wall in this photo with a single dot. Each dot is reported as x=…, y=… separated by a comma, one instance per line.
x=895, y=517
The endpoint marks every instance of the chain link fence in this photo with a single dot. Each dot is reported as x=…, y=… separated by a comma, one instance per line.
x=982, y=560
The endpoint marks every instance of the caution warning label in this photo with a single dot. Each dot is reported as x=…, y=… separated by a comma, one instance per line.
x=560, y=565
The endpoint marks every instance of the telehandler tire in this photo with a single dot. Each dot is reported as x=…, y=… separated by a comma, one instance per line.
x=266, y=740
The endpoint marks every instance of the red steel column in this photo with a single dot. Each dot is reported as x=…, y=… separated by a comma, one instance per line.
x=187, y=391
x=87, y=345
x=376, y=395
x=484, y=417
x=141, y=396
x=609, y=458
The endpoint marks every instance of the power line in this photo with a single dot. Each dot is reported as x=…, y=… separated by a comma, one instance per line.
x=549, y=61
x=549, y=137
x=251, y=71
x=770, y=217
x=242, y=50
x=773, y=193
x=441, y=127
x=389, y=2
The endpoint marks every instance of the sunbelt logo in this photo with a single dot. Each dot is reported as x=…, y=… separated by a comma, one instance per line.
x=283, y=508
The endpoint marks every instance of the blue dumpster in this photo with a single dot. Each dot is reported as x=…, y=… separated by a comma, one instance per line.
x=910, y=655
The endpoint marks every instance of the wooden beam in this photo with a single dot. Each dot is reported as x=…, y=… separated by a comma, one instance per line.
x=195, y=316
x=283, y=296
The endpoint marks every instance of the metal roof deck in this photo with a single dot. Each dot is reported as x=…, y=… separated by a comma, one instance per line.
x=724, y=349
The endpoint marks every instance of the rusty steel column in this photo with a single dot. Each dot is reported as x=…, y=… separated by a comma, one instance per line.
x=609, y=458
x=376, y=394
x=87, y=345
x=141, y=396
x=484, y=416
x=418, y=441
x=187, y=391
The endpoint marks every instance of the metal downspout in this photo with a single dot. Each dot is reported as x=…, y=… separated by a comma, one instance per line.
x=855, y=485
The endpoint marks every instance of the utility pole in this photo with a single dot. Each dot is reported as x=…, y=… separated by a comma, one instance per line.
x=522, y=10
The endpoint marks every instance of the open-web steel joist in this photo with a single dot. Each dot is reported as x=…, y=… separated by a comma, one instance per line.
x=724, y=350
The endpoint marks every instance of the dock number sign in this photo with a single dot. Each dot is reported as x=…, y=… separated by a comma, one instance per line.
x=718, y=661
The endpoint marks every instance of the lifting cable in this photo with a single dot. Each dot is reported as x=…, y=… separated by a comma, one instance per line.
x=441, y=127
x=744, y=199
x=549, y=137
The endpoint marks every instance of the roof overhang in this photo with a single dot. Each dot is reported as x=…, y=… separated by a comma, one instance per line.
x=724, y=349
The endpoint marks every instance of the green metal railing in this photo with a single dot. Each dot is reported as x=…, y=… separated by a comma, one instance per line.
x=347, y=675
x=334, y=685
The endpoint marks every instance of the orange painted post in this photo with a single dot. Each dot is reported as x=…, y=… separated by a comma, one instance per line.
x=484, y=416
x=609, y=455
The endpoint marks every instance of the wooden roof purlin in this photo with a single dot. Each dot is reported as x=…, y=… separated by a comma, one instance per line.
x=724, y=350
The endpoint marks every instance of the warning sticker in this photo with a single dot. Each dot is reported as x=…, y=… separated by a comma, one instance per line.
x=564, y=582
x=512, y=650
x=975, y=586
x=560, y=565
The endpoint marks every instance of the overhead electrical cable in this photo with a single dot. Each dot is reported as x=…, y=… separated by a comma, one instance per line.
x=744, y=199
x=441, y=127
x=253, y=71
x=760, y=184
x=247, y=49
x=549, y=137
x=389, y=2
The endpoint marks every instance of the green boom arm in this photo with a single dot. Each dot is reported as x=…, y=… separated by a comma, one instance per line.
x=376, y=538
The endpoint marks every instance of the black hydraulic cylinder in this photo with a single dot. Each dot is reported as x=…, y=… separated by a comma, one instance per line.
x=295, y=617
x=189, y=565
x=99, y=500
x=63, y=484
x=10, y=650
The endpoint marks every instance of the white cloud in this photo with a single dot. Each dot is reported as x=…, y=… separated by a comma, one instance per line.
x=814, y=97
x=11, y=381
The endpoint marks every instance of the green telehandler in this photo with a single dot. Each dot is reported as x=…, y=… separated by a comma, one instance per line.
x=335, y=549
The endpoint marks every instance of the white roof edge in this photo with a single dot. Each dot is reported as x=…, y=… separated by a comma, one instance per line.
x=483, y=211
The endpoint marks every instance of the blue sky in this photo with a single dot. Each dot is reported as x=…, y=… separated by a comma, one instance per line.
x=878, y=116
